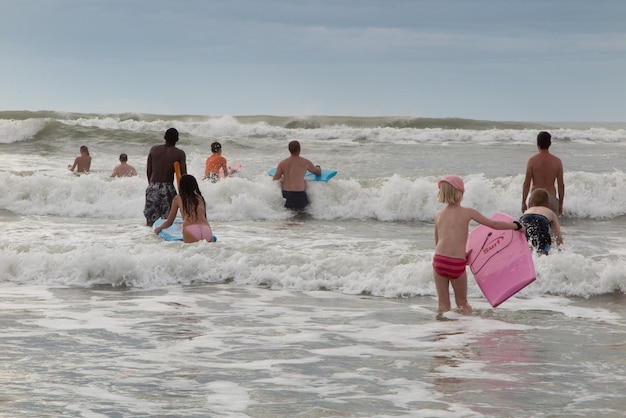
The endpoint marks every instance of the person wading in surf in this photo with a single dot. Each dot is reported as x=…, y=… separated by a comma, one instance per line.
x=542, y=171
x=291, y=171
x=451, y=233
x=160, y=171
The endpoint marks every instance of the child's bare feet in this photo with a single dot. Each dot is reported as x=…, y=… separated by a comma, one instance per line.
x=465, y=309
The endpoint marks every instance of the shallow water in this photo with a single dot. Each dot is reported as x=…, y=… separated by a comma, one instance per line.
x=229, y=350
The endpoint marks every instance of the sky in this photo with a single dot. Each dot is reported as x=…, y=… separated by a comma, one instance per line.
x=507, y=60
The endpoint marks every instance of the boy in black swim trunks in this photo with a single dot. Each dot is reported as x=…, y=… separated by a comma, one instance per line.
x=541, y=222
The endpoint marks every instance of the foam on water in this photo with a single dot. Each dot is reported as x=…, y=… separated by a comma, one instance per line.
x=253, y=196
x=352, y=259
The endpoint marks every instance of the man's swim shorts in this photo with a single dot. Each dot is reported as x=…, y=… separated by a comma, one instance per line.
x=159, y=198
x=295, y=200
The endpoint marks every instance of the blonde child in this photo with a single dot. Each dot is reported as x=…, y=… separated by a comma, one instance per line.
x=540, y=222
x=451, y=233
x=192, y=207
x=82, y=163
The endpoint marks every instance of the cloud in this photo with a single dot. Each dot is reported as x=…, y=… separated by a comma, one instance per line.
x=492, y=57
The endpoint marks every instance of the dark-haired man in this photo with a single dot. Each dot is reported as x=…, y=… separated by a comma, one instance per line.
x=543, y=170
x=160, y=170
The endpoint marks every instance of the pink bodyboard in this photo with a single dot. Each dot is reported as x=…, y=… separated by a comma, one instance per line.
x=501, y=261
x=232, y=169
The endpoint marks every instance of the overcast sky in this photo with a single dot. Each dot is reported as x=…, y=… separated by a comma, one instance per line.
x=517, y=60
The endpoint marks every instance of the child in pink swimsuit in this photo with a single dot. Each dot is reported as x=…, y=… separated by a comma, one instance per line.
x=451, y=232
x=193, y=210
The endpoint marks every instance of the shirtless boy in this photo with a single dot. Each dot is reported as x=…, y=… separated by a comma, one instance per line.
x=542, y=171
x=292, y=170
x=160, y=169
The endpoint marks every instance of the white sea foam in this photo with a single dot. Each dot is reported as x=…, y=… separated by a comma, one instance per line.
x=253, y=196
x=396, y=262
x=369, y=230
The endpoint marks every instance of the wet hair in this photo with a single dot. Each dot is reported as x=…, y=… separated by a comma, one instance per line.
x=83, y=148
x=448, y=194
x=190, y=195
x=171, y=136
x=123, y=157
x=539, y=197
x=216, y=147
x=294, y=147
x=544, y=140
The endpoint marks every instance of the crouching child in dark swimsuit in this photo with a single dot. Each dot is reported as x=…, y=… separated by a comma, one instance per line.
x=541, y=223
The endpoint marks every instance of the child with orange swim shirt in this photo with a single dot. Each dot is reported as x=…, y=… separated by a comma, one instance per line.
x=215, y=163
x=451, y=233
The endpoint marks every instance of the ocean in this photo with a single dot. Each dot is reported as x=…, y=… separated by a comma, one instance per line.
x=331, y=313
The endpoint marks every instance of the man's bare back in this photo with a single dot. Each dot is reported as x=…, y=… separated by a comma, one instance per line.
x=292, y=170
x=124, y=170
x=82, y=164
x=544, y=170
x=160, y=165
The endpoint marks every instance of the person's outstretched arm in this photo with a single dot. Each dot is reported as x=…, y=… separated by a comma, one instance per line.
x=499, y=225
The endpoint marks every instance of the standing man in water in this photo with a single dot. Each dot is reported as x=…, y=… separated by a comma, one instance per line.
x=542, y=171
x=160, y=170
x=292, y=170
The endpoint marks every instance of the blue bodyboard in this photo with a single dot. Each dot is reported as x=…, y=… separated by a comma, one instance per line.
x=325, y=176
x=174, y=232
